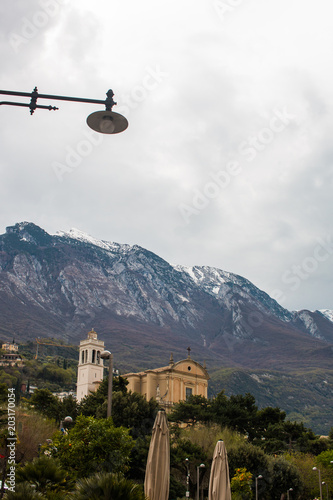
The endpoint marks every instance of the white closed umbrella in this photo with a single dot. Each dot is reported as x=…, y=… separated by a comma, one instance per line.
x=157, y=478
x=219, y=481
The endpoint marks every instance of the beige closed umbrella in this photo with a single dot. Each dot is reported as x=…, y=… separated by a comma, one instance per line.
x=219, y=481
x=157, y=479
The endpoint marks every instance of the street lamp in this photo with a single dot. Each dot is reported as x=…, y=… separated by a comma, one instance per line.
x=66, y=420
x=320, y=485
x=323, y=482
x=187, y=463
x=105, y=122
x=290, y=489
x=109, y=355
x=257, y=477
x=201, y=466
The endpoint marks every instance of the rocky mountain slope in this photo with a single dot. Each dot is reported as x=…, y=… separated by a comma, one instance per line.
x=62, y=285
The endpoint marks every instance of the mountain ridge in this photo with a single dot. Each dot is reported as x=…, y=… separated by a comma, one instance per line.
x=67, y=282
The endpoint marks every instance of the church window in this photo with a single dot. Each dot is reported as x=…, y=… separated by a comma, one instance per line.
x=82, y=357
x=93, y=356
x=188, y=392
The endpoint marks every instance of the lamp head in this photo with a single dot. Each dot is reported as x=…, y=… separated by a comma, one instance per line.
x=105, y=354
x=107, y=122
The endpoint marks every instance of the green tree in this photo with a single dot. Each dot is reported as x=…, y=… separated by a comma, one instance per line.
x=282, y=476
x=68, y=407
x=194, y=409
x=129, y=409
x=176, y=488
x=89, y=406
x=138, y=458
x=304, y=462
x=263, y=419
x=237, y=413
x=324, y=462
x=44, y=402
x=182, y=448
x=291, y=436
x=246, y=455
x=107, y=485
x=93, y=445
x=44, y=474
x=326, y=459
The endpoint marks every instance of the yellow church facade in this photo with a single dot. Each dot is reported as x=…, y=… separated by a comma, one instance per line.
x=170, y=384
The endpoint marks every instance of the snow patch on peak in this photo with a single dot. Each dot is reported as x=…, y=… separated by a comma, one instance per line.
x=206, y=274
x=188, y=270
x=328, y=313
x=76, y=234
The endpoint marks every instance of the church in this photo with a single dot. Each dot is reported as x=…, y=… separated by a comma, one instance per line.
x=168, y=385
x=172, y=383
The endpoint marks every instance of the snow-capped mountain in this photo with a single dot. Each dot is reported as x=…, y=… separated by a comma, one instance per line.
x=328, y=313
x=224, y=285
x=61, y=285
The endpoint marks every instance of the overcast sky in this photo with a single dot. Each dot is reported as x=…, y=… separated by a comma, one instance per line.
x=228, y=157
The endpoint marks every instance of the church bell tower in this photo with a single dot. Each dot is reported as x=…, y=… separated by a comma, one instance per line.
x=90, y=369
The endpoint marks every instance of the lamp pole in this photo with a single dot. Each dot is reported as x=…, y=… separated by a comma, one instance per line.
x=106, y=122
x=290, y=489
x=257, y=477
x=320, y=485
x=108, y=355
x=201, y=466
x=187, y=477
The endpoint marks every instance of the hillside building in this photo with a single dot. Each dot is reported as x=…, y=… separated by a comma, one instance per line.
x=10, y=347
x=90, y=368
x=11, y=359
x=171, y=384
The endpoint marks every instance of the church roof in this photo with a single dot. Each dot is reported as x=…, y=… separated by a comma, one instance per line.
x=169, y=367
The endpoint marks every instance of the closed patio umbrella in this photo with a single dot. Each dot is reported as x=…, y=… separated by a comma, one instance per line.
x=157, y=477
x=219, y=481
